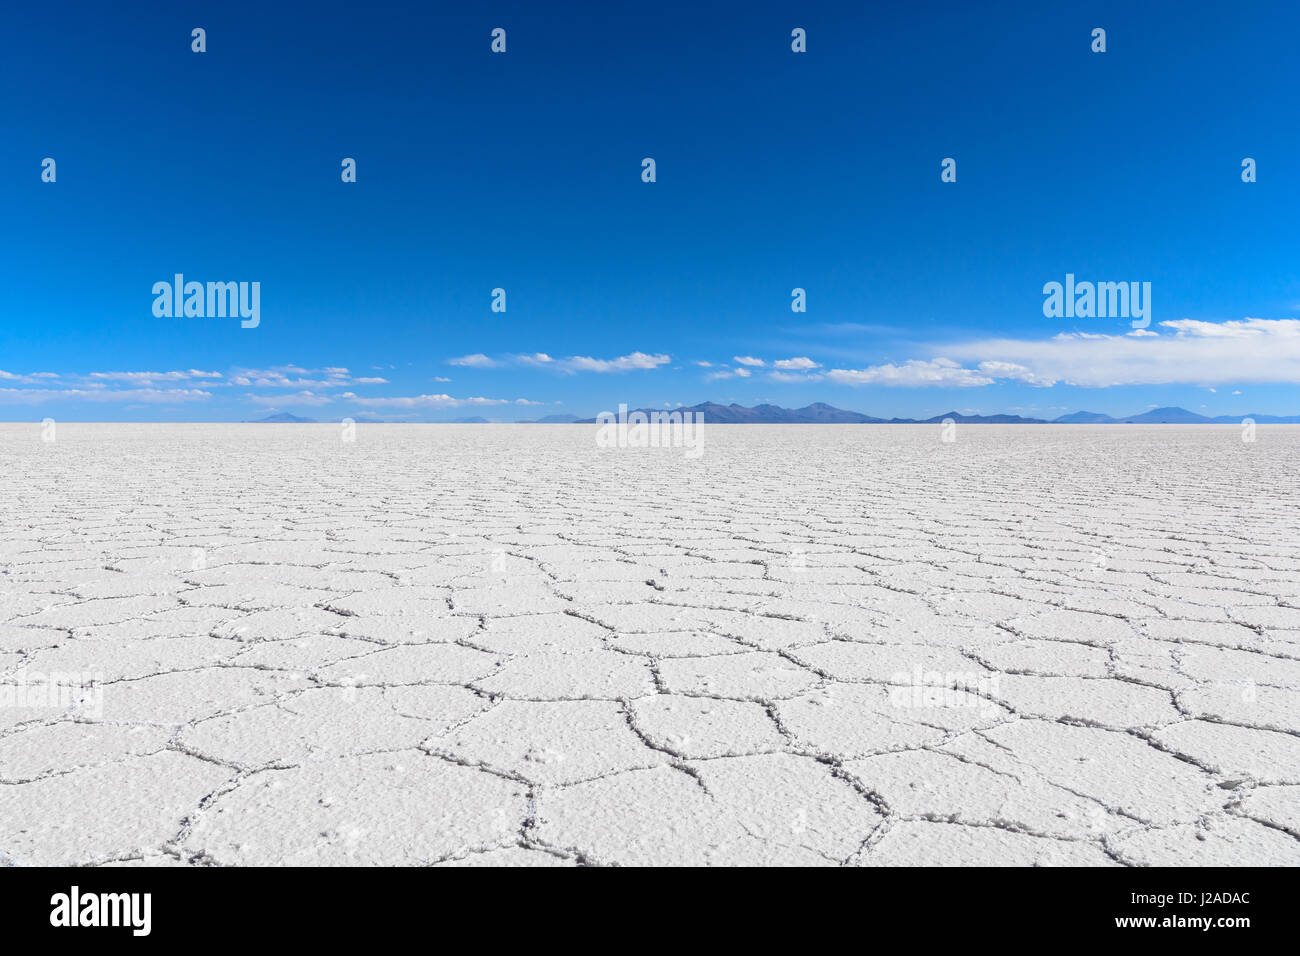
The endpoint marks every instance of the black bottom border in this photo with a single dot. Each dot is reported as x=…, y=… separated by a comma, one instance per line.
x=335, y=906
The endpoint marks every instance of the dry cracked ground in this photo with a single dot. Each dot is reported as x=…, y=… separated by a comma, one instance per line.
x=481, y=645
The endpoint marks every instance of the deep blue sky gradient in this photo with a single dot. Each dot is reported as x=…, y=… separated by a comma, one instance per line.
x=522, y=170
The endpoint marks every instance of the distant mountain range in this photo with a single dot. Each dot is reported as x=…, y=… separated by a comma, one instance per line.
x=819, y=413
x=552, y=420
x=284, y=418
x=1174, y=416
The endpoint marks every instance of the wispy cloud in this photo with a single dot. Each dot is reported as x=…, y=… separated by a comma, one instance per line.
x=796, y=369
x=912, y=373
x=35, y=378
x=1197, y=353
x=1251, y=329
x=427, y=401
x=801, y=363
x=537, y=358
x=795, y=376
x=842, y=329
x=148, y=396
x=279, y=386
x=728, y=373
x=633, y=360
x=477, y=360
x=570, y=365
x=293, y=398
x=294, y=376
x=137, y=378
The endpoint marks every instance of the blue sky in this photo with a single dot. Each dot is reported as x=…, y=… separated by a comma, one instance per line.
x=775, y=170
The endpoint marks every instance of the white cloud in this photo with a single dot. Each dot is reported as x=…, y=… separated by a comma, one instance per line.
x=147, y=377
x=1236, y=328
x=294, y=398
x=477, y=360
x=35, y=378
x=728, y=373
x=939, y=371
x=799, y=364
x=576, y=363
x=141, y=387
x=795, y=376
x=151, y=396
x=1198, y=353
x=423, y=401
x=294, y=376
x=1016, y=372
x=633, y=360
x=748, y=360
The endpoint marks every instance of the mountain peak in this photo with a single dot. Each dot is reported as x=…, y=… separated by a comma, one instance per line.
x=1167, y=415
x=284, y=418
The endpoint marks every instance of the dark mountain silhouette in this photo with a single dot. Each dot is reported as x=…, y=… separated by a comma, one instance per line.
x=284, y=418
x=1167, y=416
x=1259, y=419
x=1084, y=418
x=821, y=413
x=816, y=413
x=981, y=419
